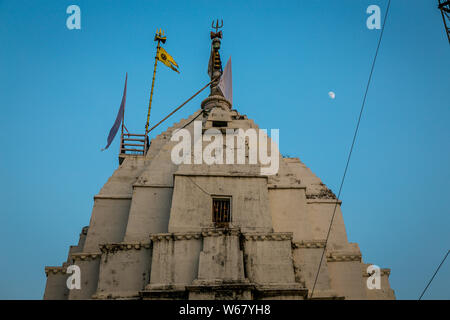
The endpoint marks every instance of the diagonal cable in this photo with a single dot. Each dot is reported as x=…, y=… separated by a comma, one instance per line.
x=351, y=148
x=429, y=282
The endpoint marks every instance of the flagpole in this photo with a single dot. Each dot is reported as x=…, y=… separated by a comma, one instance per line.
x=123, y=119
x=151, y=92
x=159, y=37
x=123, y=113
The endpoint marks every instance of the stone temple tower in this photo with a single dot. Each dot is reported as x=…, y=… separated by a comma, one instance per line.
x=162, y=230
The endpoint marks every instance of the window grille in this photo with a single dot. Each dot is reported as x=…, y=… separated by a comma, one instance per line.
x=221, y=211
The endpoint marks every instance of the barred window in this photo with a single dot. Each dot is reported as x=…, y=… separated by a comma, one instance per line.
x=221, y=211
x=219, y=124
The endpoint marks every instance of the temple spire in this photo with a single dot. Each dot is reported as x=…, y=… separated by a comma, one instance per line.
x=215, y=64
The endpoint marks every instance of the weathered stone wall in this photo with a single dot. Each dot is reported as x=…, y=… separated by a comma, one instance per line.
x=269, y=258
x=192, y=202
x=151, y=233
x=174, y=260
x=56, y=288
x=288, y=211
x=89, y=266
x=124, y=270
x=149, y=212
x=108, y=222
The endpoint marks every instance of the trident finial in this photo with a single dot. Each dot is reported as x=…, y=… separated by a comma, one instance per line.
x=159, y=36
x=217, y=26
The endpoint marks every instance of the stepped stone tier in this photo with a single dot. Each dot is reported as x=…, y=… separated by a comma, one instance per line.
x=152, y=233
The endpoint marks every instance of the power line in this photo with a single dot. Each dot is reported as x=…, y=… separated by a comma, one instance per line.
x=351, y=148
x=179, y=107
x=200, y=112
x=429, y=282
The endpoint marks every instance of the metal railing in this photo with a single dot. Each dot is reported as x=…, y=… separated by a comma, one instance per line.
x=132, y=143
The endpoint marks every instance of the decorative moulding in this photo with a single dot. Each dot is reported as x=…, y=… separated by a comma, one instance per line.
x=308, y=244
x=85, y=256
x=55, y=270
x=341, y=257
x=268, y=236
x=383, y=272
x=122, y=246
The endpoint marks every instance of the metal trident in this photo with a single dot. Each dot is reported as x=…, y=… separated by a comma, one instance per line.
x=217, y=26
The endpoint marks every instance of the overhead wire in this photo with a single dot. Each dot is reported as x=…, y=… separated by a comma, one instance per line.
x=351, y=148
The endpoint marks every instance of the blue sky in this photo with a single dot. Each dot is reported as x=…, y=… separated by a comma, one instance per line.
x=60, y=90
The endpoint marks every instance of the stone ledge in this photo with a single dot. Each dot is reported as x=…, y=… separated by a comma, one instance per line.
x=214, y=284
x=164, y=291
x=308, y=244
x=122, y=246
x=175, y=236
x=325, y=294
x=164, y=294
x=211, y=232
x=333, y=201
x=279, y=236
x=164, y=286
x=141, y=184
x=161, y=236
x=124, y=295
x=195, y=235
x=85, y=256
x=55, y=270
x=344, y=256
x=220, y=174
x=383, y=272
x=276, y=186
x=207, y=232
x=186, y=236
x=280, y=290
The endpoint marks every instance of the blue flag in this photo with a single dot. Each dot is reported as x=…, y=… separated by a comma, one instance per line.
x=119, y=118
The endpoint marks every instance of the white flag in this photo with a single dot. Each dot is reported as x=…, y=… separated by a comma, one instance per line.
x=226, y=82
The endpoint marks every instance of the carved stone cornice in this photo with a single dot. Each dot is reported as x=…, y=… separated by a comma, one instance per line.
x=161, y=236
x=175, y=236
x=279, y=236
x=221, y=232
x=383, y=272
x=281, y=289
x=286, y=186
x=187, y=236
x=85, y=256
x=315, y=200
x=220, y=174
x=323, y=193
x=308, y=244
x=55, y=270
x=344, y=256
x=123, y=246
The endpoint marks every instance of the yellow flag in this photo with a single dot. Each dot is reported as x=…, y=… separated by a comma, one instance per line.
x=167, y=59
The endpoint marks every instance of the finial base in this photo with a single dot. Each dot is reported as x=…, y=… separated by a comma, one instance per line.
x=216, y=101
